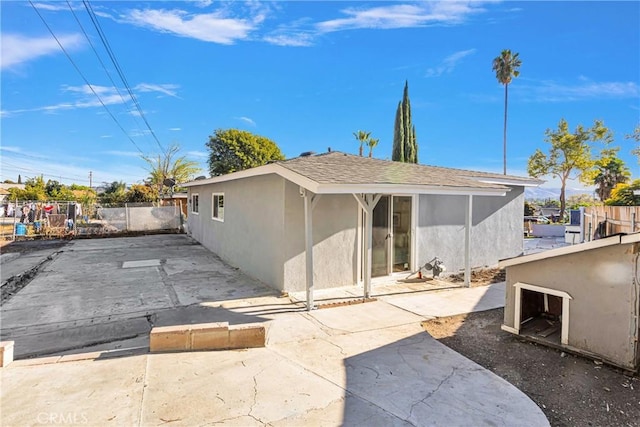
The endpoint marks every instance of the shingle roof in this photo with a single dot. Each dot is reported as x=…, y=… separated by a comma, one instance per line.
x=340, y=168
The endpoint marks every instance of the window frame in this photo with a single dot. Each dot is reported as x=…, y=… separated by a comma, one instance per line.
x=215, y=207
x=195, y=207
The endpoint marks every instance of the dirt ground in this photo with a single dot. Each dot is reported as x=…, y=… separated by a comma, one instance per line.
x=571, y=390
x=479, y=277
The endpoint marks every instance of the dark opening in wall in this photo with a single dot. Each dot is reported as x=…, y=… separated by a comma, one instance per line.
x=541, y=316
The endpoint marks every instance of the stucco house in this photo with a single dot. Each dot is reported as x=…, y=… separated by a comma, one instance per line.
x=334, y=219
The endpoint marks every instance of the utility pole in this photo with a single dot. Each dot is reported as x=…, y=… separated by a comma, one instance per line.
x=90, y=179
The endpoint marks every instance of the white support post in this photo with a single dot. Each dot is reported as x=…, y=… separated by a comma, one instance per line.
x=368, y=232
x=368, y=203
x=467, y=242
x=308, y=242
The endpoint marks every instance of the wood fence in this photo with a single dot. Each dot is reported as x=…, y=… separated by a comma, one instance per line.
x=604, y=221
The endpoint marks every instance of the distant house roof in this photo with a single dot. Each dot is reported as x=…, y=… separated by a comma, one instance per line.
x=6, y=186
x=337, y=172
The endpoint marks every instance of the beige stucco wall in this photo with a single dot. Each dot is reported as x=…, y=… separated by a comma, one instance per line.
x=251, y=236
x=600, y=281
x=497, y=231
x=263, y=232
x=335, y=220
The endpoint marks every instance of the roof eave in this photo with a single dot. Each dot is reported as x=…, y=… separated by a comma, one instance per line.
x=566, y=250
x=407, y=189
x=320, y=188
x=522, y=182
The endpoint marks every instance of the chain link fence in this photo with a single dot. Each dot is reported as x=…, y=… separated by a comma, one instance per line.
x=23, y=219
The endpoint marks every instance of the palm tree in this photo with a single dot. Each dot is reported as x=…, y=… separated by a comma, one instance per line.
x=372, y=142
x=506, y=67
x=165, y=166
x=362, y=137
x=611, y=171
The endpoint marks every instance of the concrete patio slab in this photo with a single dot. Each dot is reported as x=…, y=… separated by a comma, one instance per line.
x=362, y=365
x=451, y=302
x=74, y=393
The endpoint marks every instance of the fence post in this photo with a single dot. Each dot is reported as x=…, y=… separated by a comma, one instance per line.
x=126, y=217
x=15, y=210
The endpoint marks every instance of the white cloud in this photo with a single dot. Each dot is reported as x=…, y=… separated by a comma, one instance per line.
x=175, y=129
x=198, y=154
x=53, y=7
x=122, y=153
x=86, y=98
x=402, y=16
x=296, y=40
x=11, y=149
x=550, y=91
x=210, y=27
x=247, y=120
x=17, y=49
x=449, y=63
x=67, y=172
x=167, y=89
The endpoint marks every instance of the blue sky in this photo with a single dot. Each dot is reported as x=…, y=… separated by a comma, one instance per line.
x=307, y=75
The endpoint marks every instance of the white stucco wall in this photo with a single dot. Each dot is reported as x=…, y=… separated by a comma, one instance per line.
x=252, y=233
x=497, y=228
x=335, y=219
x=604, y=303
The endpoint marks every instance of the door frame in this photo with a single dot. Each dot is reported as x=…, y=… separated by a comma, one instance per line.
x=413, y=244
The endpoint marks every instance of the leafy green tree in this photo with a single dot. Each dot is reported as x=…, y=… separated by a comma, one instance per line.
x=529, y=209
x=362, y=137
x=622, y=195
x=233, y=150
x=139, y=193
x=114, y=193
x=34, y=189
x=609, y=171
x=56, y=191
x=635, y=136
x=405, y=145
x=569, y=152
x=506, y=67
x=581, y=200
x=372, y=143
x=167, y=166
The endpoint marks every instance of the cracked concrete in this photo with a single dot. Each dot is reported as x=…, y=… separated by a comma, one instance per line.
x=360, y=365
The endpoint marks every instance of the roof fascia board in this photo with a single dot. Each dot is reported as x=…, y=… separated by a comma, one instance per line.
x=523, y=182
x=566, y=250
x=630, y=238
x=407, y=189
x=259, y=171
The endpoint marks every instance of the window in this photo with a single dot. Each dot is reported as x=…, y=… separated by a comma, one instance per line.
x=194, y=204
x=217, y=206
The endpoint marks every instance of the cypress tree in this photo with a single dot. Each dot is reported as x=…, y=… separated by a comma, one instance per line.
x=398, y=136
x=405, y=145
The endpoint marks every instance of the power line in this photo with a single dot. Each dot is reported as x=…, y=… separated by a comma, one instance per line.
x=83, y=77
x=100, y=60
x=107, y=46
x=16, y=168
